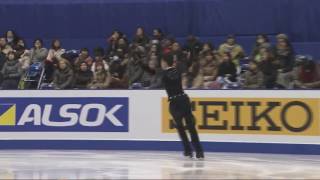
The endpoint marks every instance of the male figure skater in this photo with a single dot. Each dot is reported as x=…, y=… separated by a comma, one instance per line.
x=180, y=107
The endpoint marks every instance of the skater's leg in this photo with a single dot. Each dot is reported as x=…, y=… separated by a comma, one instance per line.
x=190, y=122
x=183, y=136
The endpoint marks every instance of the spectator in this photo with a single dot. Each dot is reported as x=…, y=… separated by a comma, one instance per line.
x=227, y=69
x=83, y=58
x=307, y=74
x=230, y=46
x=63, y=76
x=123, y=45
x=207, y=73
x=192, y=48
x=54, y=55
x=4, y=47
x=166, y=45
x=11, y=38
x=113, y=42
x=152, y=76
x=56, y=51
x=99, y=58
x=268, y=67
x=38, y=53
x=119, y=77
x=157, y=35
x=23, y=55
x=83, y=76
x=3, y=44
x=262, y=41
x=2, y=61
x=253, y=78
x=140, y=37
x=101, y=78
x=206, y=48
x=135, y=71
x=284, y=55
x=11, y=72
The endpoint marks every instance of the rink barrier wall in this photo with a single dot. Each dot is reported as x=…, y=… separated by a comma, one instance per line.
x=247, y=121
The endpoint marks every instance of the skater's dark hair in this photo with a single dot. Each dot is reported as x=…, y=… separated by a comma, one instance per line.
x=168, y=58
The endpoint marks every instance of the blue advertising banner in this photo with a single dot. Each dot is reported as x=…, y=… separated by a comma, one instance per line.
x=92, y=114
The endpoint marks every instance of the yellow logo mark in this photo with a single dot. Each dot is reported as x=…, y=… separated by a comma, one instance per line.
x=277, y=116
x=7, y=114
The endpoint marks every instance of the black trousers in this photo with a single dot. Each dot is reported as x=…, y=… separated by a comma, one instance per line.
x=180, y=109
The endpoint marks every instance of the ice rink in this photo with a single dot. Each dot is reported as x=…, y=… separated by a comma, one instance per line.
x=43, y=164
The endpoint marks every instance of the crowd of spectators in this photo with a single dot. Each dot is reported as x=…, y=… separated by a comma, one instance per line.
x=135, y=64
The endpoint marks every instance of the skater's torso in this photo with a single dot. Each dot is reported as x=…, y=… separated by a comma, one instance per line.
x=172, y=82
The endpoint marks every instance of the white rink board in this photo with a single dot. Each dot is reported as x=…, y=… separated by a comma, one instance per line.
x=145, y=116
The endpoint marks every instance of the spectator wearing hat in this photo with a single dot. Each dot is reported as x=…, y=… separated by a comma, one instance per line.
x=235, y=50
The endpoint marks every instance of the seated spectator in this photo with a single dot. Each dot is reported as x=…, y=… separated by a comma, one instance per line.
x=140, y=37
x=83, y=58
x=284, y=56
x=4, y=47
x=101, y=77
x=113, y=42
x=262, y=41
x=23, y=55
x=63, y=75
x=207, y=72
x=253, y=78
x=152, y=76
x=83, y=76
x=56, y=51
x=269, y=68
x=54, y=55
x=227, y=69
x=11, y=38
x=192, y=48
x=230, y=46
x=119, y=76
x=2, y=61
x=206, y=48
x=307, y=75
x=134, y=69
x=99, y=58
x=157, y=36
x=38, y=53
x=123, y=45
x=11, y=72
x=166, y=45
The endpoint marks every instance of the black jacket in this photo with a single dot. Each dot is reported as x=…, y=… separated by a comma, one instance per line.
x=172, y=82
x=82, y=79
x=228, y=68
